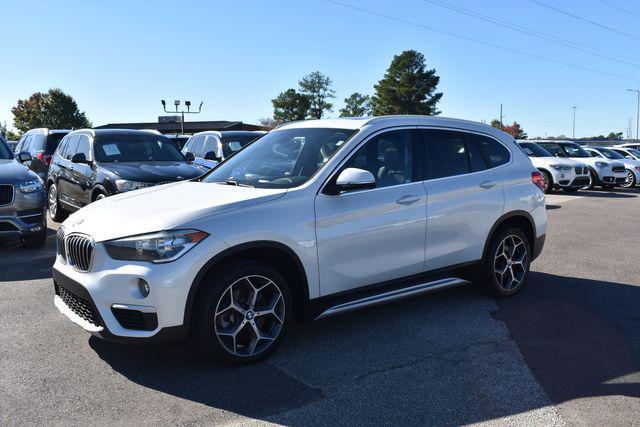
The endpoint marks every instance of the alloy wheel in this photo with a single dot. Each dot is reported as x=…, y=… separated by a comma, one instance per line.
x=100, y=197
x=249, y=316
x=629, y=181
x=511, y=263
x=53, y=200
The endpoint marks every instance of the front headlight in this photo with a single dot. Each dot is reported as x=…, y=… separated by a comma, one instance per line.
x=125, y=185
x=31, y=186
x=561, y=168
x=601, y=165
x=164, y=246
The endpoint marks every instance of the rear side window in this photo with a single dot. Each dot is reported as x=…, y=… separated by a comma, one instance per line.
x=53, y=141
x=446, y=152
x=496, y=154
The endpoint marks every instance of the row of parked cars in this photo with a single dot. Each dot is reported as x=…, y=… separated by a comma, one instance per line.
x=568, y=166
x=66, y=170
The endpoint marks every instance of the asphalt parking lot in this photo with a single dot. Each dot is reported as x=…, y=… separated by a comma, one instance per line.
x=566, y=350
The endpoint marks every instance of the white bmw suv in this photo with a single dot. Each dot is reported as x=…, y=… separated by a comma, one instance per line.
x=314, y=219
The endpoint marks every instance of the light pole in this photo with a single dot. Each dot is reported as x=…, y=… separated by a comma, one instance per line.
x=574, y=122
x=637, y=113
x=177, y=104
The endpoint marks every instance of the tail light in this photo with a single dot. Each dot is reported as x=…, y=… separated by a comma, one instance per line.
x=538, y=179
x=45, y=159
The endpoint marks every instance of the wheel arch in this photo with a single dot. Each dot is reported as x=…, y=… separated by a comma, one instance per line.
x=270, y=252
x=98, y=188
x=518, y=219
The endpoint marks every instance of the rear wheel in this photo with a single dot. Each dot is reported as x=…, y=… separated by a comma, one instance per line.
x=506, y=266
x=56, y=212
x=242, y=314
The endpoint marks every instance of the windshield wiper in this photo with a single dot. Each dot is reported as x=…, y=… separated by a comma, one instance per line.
x=236, y=183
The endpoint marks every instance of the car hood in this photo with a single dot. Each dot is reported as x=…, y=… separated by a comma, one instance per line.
x=154, y=171
x=163, y=207
x=12, y=172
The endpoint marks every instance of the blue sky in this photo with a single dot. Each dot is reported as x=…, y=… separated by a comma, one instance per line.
x=119, y=58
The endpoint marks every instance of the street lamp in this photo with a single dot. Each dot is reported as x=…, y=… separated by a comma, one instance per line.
x=637, y=113
x=574, y=122
x=176, y=103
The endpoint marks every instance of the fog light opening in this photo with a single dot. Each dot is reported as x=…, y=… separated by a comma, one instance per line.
x=143, y=287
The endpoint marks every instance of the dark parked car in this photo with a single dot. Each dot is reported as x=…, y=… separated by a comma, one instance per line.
x=93, y=164
x=21, y=201
x=179, y=140
x=40, y=144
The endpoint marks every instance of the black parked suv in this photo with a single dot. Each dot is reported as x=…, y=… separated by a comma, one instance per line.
x=36, y=147
x=21, y=201
x=92, y=164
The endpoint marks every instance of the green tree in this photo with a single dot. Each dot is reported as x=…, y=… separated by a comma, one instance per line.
x=614, y=136
x=54, y=109
x=356, y=105
x=407, y=87
x=317, y=87
x=514, y=129
x=290, y=105
x=269, y=122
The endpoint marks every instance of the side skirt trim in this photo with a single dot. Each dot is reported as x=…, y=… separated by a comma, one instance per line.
x=390, y=296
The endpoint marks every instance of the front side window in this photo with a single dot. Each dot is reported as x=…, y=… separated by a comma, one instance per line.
x=71, y=147
x=283, y=158
x=84, y=146
x=112, y=148
x=388, y=157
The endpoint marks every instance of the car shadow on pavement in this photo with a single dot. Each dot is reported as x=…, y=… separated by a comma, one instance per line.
x=607, y=194
x=579, y=337
x=13, y=267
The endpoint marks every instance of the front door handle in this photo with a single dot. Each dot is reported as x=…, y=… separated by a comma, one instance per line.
x=488, y=184
x=407, y=200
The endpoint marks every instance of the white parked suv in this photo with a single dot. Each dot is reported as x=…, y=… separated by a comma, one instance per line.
x=632, y=166
x=359, y=212
x=603, y=172
x=211, y=147
x=566, y=174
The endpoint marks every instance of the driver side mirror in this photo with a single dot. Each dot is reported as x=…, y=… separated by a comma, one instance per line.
x=189, y=156
x=24, y=156
x=355, y=179
x=211, y=155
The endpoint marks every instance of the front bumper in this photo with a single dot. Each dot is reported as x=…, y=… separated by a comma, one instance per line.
x=26, y=214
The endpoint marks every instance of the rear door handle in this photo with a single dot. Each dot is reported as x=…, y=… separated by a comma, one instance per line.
x=407, y=200
x=488, y=184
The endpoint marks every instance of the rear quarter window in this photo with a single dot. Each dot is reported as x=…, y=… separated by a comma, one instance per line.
x=495, y=153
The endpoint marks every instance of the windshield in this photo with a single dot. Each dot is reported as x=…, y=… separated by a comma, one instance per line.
x=574, y=150
x=283, y=158
x=534, y=150
x=135, y=148
x=179, y=141
x=5, y=153
x=610, y=154
x=635, y=153
x=554, y=149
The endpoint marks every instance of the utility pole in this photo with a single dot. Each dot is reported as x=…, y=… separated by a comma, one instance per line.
x=177, y=104
x=501, y=116
x=637, y=91
x=574, y=122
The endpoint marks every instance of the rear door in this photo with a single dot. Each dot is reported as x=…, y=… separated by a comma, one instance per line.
x=371, y=236
x=465, y=196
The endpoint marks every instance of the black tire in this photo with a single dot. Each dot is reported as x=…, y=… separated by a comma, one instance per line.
x=215, y=291
x=631, y=180
x=593, y=181
x=98, y=195
x=571, y=189
x=56, y=212
x=549, y=182
x=490, y=281
x=35, y=240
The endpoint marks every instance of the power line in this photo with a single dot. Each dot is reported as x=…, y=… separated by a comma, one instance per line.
x=531, y=32
x=495, y=46
x=580, y=18
x=615, y=6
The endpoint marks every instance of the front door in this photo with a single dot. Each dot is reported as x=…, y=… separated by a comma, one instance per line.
x=375, y=235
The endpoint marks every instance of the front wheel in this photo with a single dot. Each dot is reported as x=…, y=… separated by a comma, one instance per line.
x=506, y=266
x=242, y=314
x=593, y=181
x=547, y=182
x=630, y=181
x=56, y=212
